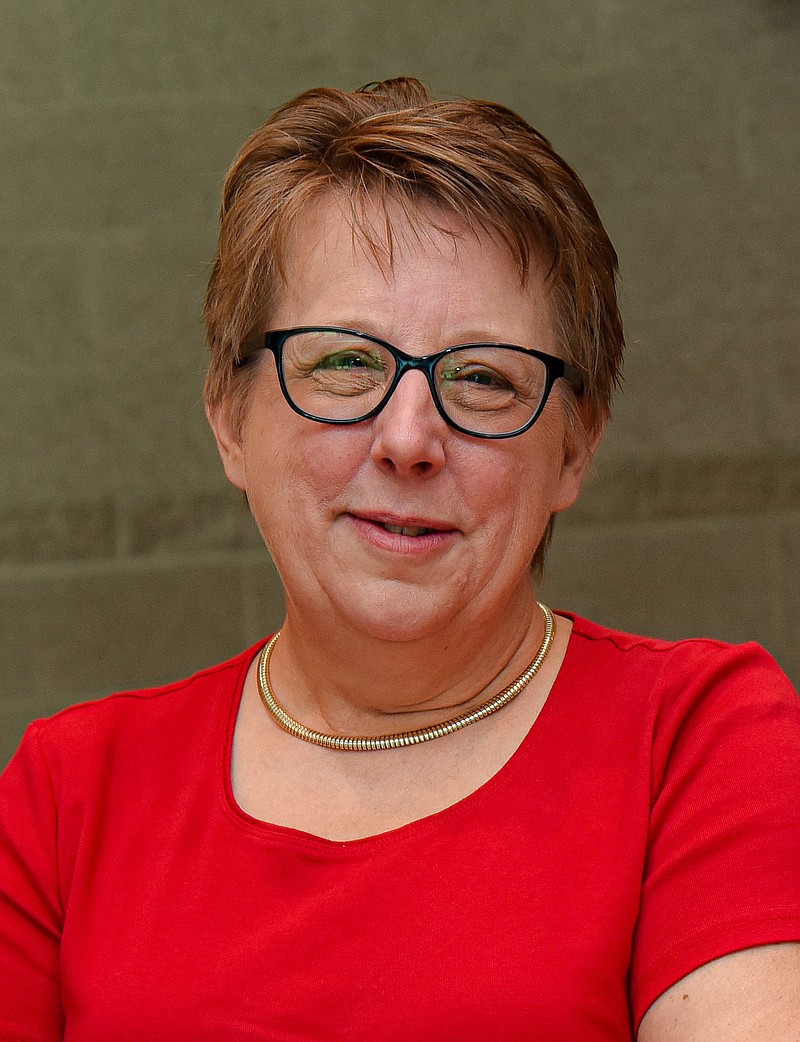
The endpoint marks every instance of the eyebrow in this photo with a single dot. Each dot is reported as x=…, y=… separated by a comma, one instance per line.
x=465, y=336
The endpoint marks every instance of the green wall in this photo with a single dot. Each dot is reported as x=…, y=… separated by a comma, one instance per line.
x=124, y=558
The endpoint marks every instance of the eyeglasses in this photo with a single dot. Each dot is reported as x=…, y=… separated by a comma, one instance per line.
x=335, y=375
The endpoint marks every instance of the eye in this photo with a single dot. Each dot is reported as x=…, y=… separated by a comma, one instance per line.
x=478, y=375
x=349, y=361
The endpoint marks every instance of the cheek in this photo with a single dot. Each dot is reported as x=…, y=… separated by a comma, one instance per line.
x=326, y=458
x=301, y=468
x=525, y=487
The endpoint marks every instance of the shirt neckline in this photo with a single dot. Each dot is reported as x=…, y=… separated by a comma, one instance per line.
x=463, y=808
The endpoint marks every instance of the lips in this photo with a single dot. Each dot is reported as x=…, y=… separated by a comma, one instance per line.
x=412, y=527
x=403, y=541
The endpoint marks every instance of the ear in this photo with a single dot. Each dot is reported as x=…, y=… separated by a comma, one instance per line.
x=229, y=444
x=580, y=446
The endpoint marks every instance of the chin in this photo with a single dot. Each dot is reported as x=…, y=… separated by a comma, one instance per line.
x=399, y=613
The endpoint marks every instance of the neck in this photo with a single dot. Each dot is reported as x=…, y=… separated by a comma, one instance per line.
x=341, y=678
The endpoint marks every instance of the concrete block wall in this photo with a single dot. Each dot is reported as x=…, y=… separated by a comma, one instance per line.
x=124, y=558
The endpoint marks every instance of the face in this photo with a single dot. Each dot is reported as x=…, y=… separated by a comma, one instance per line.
x=399, y=526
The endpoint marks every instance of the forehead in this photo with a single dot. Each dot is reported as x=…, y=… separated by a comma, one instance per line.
x=385, y=233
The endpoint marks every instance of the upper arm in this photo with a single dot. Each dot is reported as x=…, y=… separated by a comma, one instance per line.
x=749, y=996
x=30, y=909
x=722, y=866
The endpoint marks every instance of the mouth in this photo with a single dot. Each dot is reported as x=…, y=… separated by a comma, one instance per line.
x=411, y=527
x=409, y=530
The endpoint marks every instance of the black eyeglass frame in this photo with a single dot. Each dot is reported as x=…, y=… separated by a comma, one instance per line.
x=274, y=340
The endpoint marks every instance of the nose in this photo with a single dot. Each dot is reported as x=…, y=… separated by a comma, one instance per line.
x=409, y=435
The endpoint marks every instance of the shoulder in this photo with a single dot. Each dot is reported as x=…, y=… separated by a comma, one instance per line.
x=600, y=640
x=682, y=702
x=90, y=736
x=679, y=671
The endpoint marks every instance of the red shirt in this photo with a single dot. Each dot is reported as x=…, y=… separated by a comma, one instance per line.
x=648, y=823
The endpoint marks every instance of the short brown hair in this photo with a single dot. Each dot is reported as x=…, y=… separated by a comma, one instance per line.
x=392, y=144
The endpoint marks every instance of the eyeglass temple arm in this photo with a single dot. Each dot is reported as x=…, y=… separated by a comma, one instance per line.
x=573, y=378
x=247, y=349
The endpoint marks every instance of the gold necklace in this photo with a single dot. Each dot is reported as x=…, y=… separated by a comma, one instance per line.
x=403, y=738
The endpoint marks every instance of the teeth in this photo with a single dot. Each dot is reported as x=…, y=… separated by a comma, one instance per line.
x=412, y=530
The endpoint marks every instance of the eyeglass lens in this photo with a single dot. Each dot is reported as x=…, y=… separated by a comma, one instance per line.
x=482, y=388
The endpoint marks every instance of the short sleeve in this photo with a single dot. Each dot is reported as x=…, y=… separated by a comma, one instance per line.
x=722, y=871
x=30, y=906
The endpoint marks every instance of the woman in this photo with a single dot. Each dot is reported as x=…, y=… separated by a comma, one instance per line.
x=429, y=808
